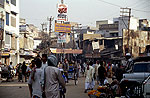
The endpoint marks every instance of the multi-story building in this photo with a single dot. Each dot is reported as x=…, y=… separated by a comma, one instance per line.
x=26, y=37
x=10, y=47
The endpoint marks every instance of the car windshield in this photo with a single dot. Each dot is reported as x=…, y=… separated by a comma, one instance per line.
x=142, y=67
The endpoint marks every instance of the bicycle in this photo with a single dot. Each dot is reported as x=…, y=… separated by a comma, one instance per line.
x=75, y=77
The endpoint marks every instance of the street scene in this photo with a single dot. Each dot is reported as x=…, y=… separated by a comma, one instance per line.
x=74, y=49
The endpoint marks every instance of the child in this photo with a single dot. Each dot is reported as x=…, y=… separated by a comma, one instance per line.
x=34, y=81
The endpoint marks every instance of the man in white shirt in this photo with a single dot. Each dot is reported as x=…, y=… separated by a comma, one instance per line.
x=44, y=61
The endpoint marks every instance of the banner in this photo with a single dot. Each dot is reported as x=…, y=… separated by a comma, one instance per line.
x=65, y=28
x=95, y=45
x=61, y=38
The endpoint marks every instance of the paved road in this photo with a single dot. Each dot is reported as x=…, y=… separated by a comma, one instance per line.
x=20, y=90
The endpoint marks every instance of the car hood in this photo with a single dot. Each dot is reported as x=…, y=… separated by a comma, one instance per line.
x=139, y=77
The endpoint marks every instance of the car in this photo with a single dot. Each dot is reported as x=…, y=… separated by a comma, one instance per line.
x=136, y=82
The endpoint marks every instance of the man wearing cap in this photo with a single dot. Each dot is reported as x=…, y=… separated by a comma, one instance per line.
x=52, y=78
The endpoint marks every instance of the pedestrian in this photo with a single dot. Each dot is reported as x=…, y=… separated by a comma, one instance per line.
x=34, y=81
x=52, y=79
x=60, y=66
x=62, y=90
x=44, y=61
x=10, y=71
x=66, y=68
x=119, y=72
x=19, y=72
x=24, y=68
x=102, y=73
x=97, y=65
x=89, y=73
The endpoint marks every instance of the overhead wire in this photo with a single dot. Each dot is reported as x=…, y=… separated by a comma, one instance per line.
x=121, y=6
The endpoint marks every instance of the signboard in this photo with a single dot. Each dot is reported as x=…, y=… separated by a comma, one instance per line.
x=62, y=12
x=95, y=45
x=65, y=28
x=62, y=8
x=61, y=38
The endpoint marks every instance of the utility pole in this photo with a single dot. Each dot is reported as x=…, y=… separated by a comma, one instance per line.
x=50, y=27
x=126, y=12
x=73, y=37
x=1, y=34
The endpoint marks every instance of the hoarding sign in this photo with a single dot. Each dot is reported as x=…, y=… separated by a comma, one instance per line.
x=95, y=45
x=62, y=8
x=61, y=38
x=62, y=12
x=65, y=28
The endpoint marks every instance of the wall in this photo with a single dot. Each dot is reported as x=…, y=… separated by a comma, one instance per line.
x=138, y=40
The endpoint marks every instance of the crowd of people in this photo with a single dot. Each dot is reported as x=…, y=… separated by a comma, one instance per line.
x=47, y=77
x=101, y=72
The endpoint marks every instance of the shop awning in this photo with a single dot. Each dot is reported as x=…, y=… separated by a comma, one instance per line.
x=66, y=51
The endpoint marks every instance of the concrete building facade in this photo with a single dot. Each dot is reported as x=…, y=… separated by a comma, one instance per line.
x=10, y=47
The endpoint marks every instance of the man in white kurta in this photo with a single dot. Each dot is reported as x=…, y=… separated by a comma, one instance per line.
x=89, y=73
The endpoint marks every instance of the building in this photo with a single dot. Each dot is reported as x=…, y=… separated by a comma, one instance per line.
x=101, y=22
x=144, y=25
x=26, y=37
x=138, y=40
x=123, y=23
x=10, y=44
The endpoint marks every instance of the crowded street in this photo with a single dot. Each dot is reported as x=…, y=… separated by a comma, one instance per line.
x=21, y=90
x=74, y=49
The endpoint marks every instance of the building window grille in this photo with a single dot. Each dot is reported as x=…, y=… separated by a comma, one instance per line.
x=7, y=18
x=13, y=21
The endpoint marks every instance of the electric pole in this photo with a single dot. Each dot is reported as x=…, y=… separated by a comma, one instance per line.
x=1, y=34
x=126, y=12
x=50, y=27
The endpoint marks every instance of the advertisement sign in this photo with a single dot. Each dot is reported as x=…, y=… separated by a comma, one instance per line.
x=61, y=38
x=62, y=8
x=62, y=12
x=59, y=27
x=95, y=45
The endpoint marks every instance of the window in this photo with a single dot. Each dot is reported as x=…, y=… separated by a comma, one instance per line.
x=142, y=67
x=1, y=24
x=13, y=21
x=7, y=39
x=2, y=3
x=13, y=2
x=7, y=18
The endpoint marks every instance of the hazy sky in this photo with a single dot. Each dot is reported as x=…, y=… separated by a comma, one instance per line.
x=85, y=12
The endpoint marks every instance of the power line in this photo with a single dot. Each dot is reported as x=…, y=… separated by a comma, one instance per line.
x=120, y=6
x=137, y=4
x=110, y=3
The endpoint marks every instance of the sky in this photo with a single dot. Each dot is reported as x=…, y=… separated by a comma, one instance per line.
x=85, y=12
